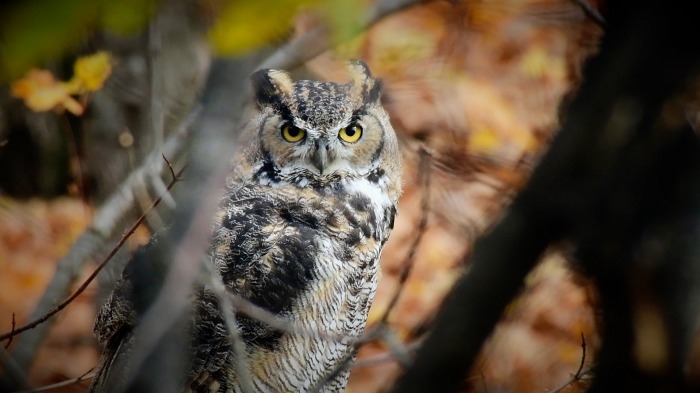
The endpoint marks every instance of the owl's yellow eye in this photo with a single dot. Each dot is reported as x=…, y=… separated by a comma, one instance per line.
x=291, y=133
x=352, y=133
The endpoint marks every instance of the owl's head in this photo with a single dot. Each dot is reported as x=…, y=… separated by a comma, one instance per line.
x=320, y=133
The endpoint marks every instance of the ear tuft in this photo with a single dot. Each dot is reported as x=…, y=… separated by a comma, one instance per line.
x=271, y=87
x=365, y=87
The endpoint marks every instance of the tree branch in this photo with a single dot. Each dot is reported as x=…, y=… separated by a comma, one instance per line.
x=580, y=373
x=315, y=41
x=60, y=306
x=424, y=167
x=591, y=12
x=618, y=102
x=73, y=381
x=173, y=263
x=107, y=220
x=579, y=376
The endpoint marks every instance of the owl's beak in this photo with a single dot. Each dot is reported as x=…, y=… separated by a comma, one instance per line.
x=319, y=158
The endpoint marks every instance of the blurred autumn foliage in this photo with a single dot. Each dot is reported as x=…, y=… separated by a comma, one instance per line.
x=41, y=91
x=473, y=88
x=33, y=236
x=479, y=85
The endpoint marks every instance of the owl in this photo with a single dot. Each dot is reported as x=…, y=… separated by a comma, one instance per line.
x=309, y=203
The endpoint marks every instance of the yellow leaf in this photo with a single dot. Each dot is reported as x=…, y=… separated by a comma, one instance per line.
x=92, y=71
x=483, y=140
x=535, y=62
x=42, y=92
x=73, y=106
x=539, y=62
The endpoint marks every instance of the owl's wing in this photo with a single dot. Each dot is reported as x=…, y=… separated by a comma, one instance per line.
x=210, y=347
x=133, y=292
x=113, y=329
x=116, y=320
x=266, y=253
x=264, y=249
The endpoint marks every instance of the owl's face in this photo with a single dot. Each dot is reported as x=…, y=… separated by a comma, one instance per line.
x=318, y=133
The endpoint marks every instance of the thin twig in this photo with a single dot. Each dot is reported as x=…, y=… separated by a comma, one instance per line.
x=226, y=308
x=343, y=365
x=155, y=87
x=424, y=168
x=396, y=347
x=483, y=379
x=106, y=221
x=583, y=373
x=231, y=301
x=315, y=41
x=591, y=12
x=92, y=276
x=73, y=381
x=583, y=356
x=381, y=333
x=184, y=268
x=11, y=331
x=72, y=148
x=245, y=306
x=580, y=373
x=385, y=356
x=13, y=372
x=173, y=176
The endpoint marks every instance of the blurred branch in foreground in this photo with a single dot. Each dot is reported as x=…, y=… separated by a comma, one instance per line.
x=106, y=223
x=621, y=181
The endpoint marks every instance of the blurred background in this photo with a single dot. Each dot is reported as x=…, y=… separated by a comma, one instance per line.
x=93, y=94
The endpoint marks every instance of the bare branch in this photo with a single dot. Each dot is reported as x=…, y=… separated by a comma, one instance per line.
x=13, y=373
x=55, y=310
x=173, y=175
x=579, y=376
x=583, y=356
x=160, y=337
x=591, y=12
x=260, y=314
x=386, y=356
x=106, y=221
x=569, y=194
x=315, y=41
x=215, y=284
x=396, y=347
x=580, y=373
x=73, y=381
x=407, y=266
x=12, y=332
x=168, y=306
x=383, y=333
x=342, y=366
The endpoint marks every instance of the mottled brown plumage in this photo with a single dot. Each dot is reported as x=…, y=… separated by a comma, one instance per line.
x=310, y=202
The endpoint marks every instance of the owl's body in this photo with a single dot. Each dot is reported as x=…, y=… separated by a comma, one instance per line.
x=309, y=204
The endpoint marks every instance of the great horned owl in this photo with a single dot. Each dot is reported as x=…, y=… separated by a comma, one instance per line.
x=310, y=202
